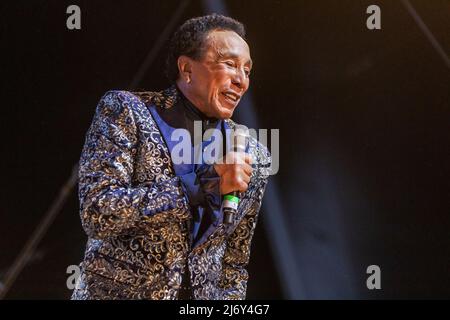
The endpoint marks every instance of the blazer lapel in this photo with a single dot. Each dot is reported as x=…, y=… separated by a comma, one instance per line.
x=164, y=99
x=167, y=99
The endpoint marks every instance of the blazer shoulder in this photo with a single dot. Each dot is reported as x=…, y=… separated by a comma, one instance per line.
x=116, y=102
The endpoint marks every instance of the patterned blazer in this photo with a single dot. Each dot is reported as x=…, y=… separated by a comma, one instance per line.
x=137, y=216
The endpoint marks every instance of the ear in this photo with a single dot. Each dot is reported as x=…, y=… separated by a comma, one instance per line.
x=185, y=68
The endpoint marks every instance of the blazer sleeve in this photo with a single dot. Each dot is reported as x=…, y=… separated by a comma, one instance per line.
x=109, y=204
x=237, y=253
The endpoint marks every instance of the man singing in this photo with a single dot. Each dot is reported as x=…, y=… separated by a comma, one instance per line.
x=155, y=226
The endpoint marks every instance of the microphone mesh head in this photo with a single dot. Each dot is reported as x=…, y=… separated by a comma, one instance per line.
x=240, y=138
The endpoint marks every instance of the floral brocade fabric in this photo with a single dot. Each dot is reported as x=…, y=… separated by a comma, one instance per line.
x=138, y=220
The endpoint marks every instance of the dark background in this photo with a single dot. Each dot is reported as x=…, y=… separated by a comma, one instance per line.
x=364, y=129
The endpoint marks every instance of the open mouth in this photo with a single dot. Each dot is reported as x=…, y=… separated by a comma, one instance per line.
x=231, y=97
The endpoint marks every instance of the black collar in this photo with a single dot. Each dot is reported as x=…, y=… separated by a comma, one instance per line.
x=193, y=111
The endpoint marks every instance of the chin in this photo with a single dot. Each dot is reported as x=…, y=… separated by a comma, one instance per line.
x=225, y=114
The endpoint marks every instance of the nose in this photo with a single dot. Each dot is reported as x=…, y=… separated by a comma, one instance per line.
x=239, y=79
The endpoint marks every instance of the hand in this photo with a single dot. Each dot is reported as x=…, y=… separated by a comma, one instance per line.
x=234, y=171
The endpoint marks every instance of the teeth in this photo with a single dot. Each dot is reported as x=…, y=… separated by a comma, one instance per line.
x=232, y=97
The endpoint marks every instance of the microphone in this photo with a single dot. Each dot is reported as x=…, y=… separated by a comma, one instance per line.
x=231, y=200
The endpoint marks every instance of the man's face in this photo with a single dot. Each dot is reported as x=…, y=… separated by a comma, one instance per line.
x=221, y=77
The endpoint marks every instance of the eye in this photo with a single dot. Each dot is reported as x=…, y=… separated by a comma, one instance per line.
x=247, y=72
x=230, y=63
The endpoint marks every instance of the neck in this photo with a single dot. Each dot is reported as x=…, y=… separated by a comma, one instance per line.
x=190, y=99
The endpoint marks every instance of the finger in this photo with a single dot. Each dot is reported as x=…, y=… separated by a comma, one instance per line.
x=246, y=178
x=247, y=169
x=243, y=186
x=226, y=187
x=248, y=158
x=241, y=158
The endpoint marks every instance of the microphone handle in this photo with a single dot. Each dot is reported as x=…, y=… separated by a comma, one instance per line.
x=231, y=200
x=230, y=205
